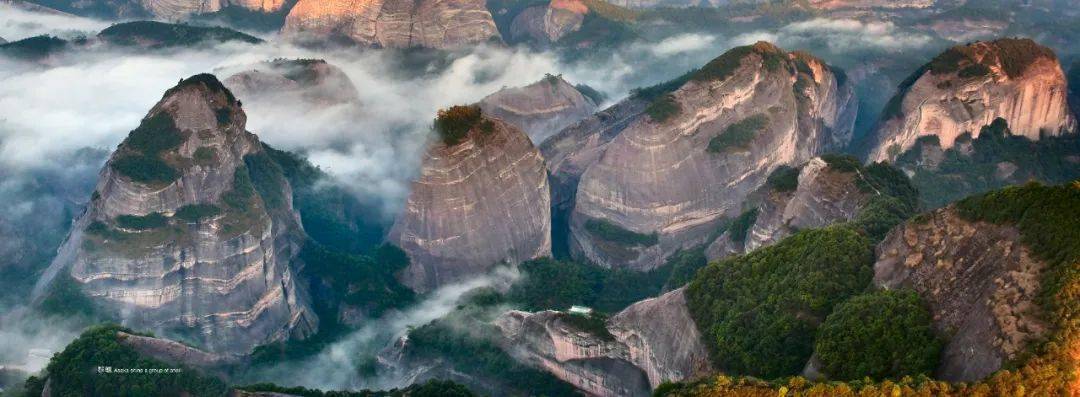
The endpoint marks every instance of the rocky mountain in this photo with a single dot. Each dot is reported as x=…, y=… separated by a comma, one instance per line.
x=980, y=282
x=812, y=196
x=481, y=198
x=571, y=151
x=170, y=10
x=546, y=24
x=299, y=81
x=190, y=230
x=540, y=109
x=670, y=175
x=860, y=4
x=393, y=23
x=650, y=342
x=968, y=87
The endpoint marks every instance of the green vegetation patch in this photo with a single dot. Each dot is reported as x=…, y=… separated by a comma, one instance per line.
x=34, y=48
x=74, y=371
x=205, y=156
x=431, y=388
x=738, y=135
x=474, y=350
x=784, y=179
x=663, y=108
x=145, y=222
x=556, y=285
x=725, y=65
x=196, y=212
x=742, y=224
x=160, y=34
x=964, y=172
x=139, y=157
x=454, y=123
x=758, y=313
x=267, y=178
x=883, y=334
x=594, y=324
x=608, y=231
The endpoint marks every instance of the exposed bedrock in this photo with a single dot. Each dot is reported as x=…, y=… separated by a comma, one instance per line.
x=476, y=203
x=392, y=23
x=540, y=109
x=823, y=196
x=673, y=173
x=968, y=87
x=979, y=281
x=191, y=231
x=650, y=342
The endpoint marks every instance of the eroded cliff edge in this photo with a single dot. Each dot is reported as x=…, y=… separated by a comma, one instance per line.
x=191, y=231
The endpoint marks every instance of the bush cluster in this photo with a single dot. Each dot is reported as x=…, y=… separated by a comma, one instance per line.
x=606, y=230
x=738, y=135
x=758, y=313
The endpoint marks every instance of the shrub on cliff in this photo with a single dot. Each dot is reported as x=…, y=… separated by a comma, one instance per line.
x=454, y=123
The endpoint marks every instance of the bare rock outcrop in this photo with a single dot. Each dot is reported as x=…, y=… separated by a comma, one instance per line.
x=655, y=338
x=546, y=24
x=172, y=352
x=540, y=109
x=392, y=23
x=979, y=281
x=476, y=203
x=677, y=170
x=190, y=231
x=823, y=196
x=967, y=88
x=180, y=9
x=297, y=81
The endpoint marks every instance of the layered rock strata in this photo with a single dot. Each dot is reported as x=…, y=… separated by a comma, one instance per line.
x=673, y=173
x=191, y=231
x=296, y=81
x=979, y=281
x=655, y=337
x=476, y=203
x=540, y=109
x=392, y=23
x=546, y=24
x=822, y=197
x=967, y=88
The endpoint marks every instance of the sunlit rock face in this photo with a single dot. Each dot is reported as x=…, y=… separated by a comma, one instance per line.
x=841, y=4
x=392, y=23
x=476, y=203
x=190, y=231
x=296, y=81
x=546, y=24
x=671, y=174
x=823, y=196
x=540, y=109
x=968, y=87
x=179, y=9
x=651, y=341
x=979, y=281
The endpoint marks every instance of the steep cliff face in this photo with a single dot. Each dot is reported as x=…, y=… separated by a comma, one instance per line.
x=651, y=341
x=306, y=81
x=546, y=24
x=191, y=229
x=540, y=109
x=823, y=196
x=667, y=179
x=392, y=23
x=476, y=203
x=968, y=87
x=979, y=281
